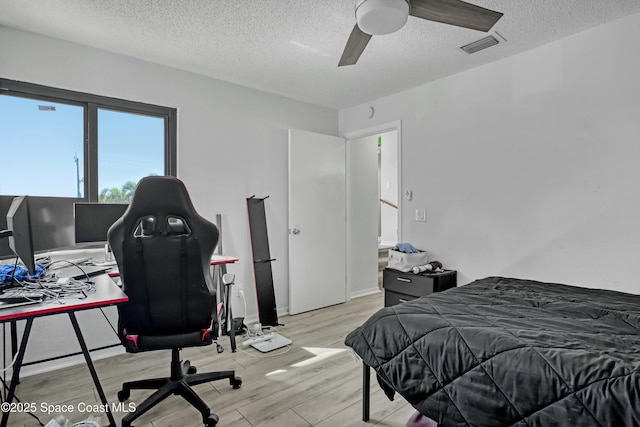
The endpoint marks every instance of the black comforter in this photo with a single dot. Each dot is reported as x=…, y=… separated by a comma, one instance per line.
x=504, y=351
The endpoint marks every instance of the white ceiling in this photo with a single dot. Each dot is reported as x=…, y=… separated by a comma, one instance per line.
x=292, y=47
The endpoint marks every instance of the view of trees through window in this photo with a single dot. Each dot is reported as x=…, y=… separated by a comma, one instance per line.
x=130, y=146
x=117, y=195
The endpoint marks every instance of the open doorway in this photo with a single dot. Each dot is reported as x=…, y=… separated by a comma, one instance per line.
x=388, y=196
x=388, y=188
x=373, y=204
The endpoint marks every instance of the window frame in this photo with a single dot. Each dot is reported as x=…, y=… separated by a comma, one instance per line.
x=92, y=103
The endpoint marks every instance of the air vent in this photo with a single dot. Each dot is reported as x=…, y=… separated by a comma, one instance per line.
x=479, y=45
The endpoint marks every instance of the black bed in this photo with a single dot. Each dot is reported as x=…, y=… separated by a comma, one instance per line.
x=503, y=351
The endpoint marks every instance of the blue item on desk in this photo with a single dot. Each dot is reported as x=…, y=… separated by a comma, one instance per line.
x=19, y=272
x=406, y=248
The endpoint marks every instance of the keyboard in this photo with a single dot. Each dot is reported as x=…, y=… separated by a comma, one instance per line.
x=20, y=295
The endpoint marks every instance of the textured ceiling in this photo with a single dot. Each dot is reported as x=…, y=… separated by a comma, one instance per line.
x=292, y=47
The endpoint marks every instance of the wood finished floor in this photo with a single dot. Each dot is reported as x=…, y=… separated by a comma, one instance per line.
x=296, y=388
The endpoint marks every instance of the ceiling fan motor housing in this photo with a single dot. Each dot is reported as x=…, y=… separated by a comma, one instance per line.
x=379, y=17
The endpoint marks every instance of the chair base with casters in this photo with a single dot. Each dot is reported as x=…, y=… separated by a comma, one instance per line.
x=183, y=376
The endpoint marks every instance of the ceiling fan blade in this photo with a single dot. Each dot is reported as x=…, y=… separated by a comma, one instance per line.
x=455, y=12
x=355, y=46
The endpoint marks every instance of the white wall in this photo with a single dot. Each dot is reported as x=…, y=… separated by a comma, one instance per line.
x=232, y=141
x=528, y=167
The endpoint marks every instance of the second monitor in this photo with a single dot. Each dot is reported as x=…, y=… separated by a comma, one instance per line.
x=92, y=220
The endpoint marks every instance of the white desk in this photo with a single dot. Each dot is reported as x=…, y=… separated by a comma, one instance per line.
x=107, y=293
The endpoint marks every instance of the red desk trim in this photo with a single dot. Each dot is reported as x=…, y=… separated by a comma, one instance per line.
x=216, y=260
x=107, y=293
x=64, y=308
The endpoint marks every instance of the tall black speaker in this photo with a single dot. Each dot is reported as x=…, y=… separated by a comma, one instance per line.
x=262, y=262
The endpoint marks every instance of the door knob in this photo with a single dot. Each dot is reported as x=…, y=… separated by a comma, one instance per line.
x=295, y=231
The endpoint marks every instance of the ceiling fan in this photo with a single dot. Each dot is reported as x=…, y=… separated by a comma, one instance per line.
x=379, y=17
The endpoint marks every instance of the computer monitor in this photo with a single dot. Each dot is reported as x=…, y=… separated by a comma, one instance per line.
x=21, y=239
x=92, y=220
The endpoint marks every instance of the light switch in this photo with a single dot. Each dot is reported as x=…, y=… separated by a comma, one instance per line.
x=421, y=215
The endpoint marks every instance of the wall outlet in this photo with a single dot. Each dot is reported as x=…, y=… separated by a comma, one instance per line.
x=421, y=215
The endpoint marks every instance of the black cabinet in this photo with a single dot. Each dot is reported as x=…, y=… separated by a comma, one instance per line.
x=401, y=287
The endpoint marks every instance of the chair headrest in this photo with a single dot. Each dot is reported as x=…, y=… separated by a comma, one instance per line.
x=160, y=197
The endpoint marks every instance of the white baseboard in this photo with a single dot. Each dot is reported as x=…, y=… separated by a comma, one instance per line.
x=365, y=292
x=252, y=319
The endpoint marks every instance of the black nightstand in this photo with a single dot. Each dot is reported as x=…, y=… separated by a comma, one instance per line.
x=402, y=287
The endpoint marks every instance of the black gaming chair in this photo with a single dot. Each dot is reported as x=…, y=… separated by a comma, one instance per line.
x=163, y=250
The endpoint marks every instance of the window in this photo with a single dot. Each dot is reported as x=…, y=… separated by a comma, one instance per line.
x=59, y=143
x=130, y=147
x=40, y=145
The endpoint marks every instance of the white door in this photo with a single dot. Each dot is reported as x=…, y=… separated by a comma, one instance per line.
x=317, y=221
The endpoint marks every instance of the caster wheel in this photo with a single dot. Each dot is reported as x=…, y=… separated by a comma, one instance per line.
x=211, y=420
x=123, y=395
x=192, y=370
x=236, y=382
